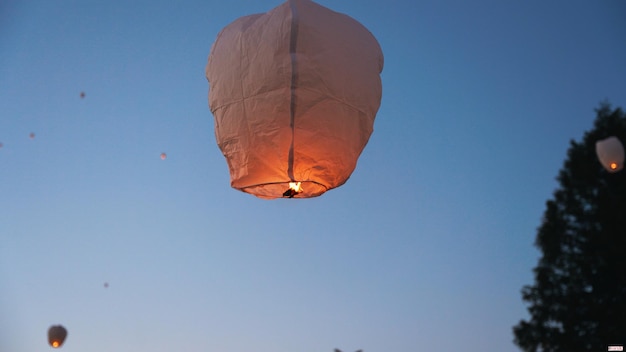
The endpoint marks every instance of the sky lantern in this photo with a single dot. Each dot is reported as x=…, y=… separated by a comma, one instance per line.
x=56, y=335
x=294, y=93
x=31, y=135
x=611, y=153
x=163, y=156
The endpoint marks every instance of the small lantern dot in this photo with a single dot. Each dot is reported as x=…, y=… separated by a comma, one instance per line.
x=56, y=335
x=610, y=152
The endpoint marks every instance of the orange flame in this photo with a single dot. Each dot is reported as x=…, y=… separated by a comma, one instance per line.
x=295, y=186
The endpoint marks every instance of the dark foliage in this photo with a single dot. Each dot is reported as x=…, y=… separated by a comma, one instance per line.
x=578, y=300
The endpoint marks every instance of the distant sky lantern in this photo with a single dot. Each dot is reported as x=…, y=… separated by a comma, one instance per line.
x=82, y=95
x=610, y=151
x=56, y=335
x=294, y=93
x=163, y=156
x=31, y=135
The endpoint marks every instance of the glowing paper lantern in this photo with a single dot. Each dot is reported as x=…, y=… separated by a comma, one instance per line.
x=56, y=335
x=294, y=93
x=163, y=156
x=611, y=154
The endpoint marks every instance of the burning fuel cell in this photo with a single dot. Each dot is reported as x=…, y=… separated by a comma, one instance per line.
x=294, y=188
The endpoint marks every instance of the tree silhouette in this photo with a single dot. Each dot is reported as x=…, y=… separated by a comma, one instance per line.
x=578, y=300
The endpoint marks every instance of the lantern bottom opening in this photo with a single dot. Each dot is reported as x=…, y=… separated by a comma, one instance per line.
x=279, y=189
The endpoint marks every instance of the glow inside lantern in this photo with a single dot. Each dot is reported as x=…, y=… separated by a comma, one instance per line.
x=294, y=93
x=610, y=152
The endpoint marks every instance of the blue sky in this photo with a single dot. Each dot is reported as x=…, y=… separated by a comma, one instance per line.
x=426, y=246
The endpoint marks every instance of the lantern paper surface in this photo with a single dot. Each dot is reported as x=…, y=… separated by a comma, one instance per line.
x=611, y=154
x=294, y=93
x=56, y=335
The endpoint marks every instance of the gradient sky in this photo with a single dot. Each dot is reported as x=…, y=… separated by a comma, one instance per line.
x=425, y=248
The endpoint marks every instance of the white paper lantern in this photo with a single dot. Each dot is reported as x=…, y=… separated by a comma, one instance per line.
x=294, y=93
x=610, y=153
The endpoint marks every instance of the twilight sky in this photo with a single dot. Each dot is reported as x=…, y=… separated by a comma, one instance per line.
x=426, y=246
